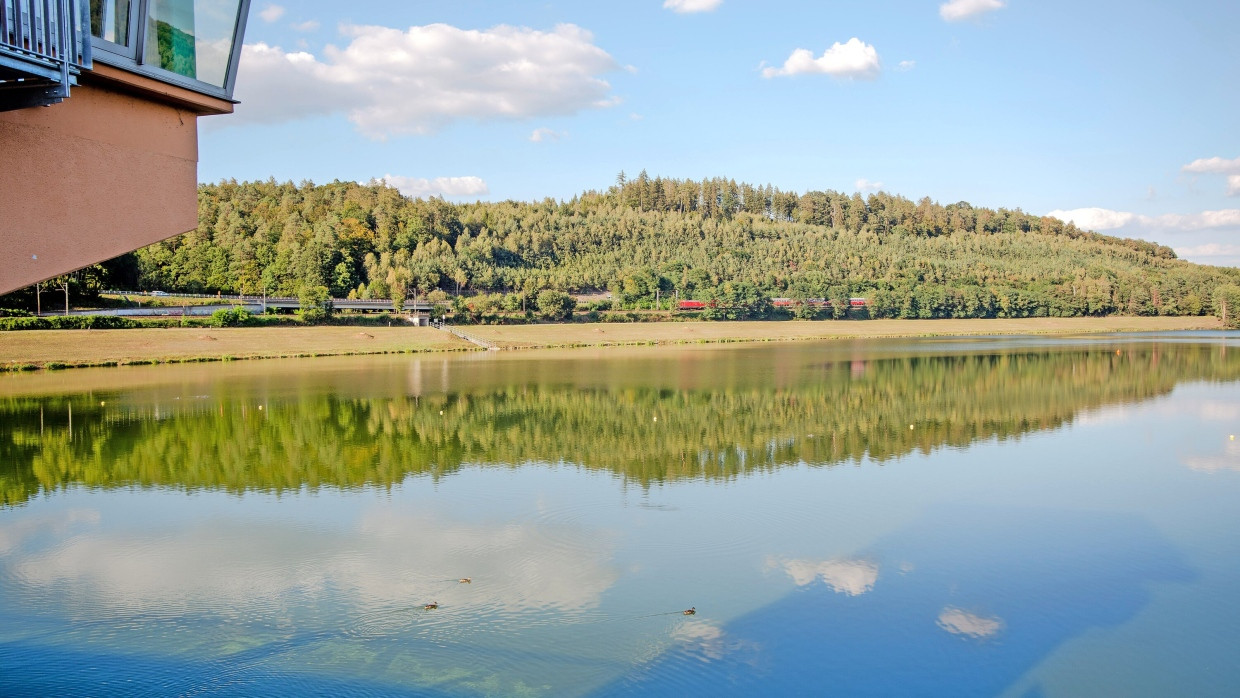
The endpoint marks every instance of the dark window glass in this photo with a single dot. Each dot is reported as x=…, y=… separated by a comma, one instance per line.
x=109, y=20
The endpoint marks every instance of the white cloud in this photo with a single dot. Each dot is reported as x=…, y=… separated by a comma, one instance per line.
x=1217, y=165
x=852, y=59
x=1224, y=218
x=906, y=66
x=958, y=10
x=959, y=622
x=309, y=25
x=271, y=13
x=688, y=6
x=1094, y=218
x=1106, y=219
x=393, y=82
x=1213, y=166
x=1209, y=250
x=452, y=187
x=546, y=135
x=864, y=184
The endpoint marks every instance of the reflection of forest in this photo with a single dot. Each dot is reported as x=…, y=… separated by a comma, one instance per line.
x=833, y=413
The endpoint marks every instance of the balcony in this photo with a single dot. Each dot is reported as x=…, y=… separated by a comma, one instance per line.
x=44, y=46
x=115, y=167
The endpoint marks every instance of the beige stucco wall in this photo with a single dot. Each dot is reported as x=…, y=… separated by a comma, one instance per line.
x=100, y=174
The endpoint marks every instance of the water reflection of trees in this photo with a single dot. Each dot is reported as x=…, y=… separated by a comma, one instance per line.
x=833, y=414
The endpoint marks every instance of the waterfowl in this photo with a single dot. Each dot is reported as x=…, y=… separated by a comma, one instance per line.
x=690, y=611
x=431, y=606
x=466, y=580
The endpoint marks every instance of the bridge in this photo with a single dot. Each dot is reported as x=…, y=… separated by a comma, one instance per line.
x=254, y=304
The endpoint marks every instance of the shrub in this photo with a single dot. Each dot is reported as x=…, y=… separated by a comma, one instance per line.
x=315, y=303
x=556, y=305
x=232, y=317
x=67, y=322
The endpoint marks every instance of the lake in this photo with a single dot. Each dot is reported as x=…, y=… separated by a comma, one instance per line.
x=983, y=516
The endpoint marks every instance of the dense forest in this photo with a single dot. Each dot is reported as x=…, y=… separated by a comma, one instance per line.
x=817, y=414
x=646, y=238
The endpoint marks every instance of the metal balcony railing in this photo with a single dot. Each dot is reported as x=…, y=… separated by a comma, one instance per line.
x=44, y=46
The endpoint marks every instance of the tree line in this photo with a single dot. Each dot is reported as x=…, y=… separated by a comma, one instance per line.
x=648, y=238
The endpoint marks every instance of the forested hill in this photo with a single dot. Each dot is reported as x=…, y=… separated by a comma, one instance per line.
x=703, y=239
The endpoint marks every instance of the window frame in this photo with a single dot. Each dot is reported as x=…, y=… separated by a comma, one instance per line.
x=132, y=57
x=110, y=50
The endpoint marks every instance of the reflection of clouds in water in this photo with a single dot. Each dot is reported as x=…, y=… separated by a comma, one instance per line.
x=1219, y=411
x=958, y=622
x=701, y=638
x=1109, y=414
x=852, y=577
x=1181, y=407
x=1229, y=459
x=391, y=559
x=707, y=642
x=15, y=534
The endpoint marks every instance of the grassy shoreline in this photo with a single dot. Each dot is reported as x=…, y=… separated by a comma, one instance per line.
x=55, y=349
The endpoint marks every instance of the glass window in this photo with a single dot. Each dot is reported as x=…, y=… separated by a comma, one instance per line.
x=193, y=38
x=109, y=20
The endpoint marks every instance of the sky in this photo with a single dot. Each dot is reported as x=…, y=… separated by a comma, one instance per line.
x=1119, y=116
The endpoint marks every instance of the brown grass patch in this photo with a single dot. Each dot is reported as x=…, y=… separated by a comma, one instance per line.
x=527, y=336
x=98, y=347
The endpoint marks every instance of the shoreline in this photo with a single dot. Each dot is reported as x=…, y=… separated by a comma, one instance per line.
x=32, y=350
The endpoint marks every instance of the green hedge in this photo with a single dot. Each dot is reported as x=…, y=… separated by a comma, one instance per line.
x=67, y=322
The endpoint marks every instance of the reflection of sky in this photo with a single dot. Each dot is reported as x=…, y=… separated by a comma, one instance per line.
x=23, y=532
x=390, y=559
x=1228, y=459
x=997, y=561
x=1214, y=447
x=851, y=577
x=960, y=622
x=1017, y=583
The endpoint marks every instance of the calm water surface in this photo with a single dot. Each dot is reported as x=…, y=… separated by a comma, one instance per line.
x=1019, y=517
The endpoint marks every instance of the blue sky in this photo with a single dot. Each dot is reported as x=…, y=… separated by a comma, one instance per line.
x=1119, y=115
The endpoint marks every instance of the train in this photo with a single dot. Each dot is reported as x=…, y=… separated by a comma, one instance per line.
x=691, y=306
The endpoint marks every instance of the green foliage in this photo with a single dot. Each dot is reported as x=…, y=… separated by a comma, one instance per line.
x=1227, y=305
x=83, y=285
x=68, y=322
x=556, y=305
x=805, y=311
x=822, y=411
x=232, y=317
x=314, y=304
x=654, y=237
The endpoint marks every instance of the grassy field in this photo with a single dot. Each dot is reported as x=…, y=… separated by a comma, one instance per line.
x=68, y=348
x=603, y=334
x=71, y=348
